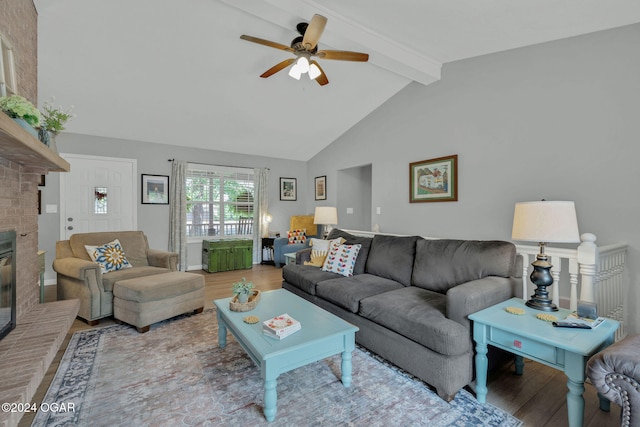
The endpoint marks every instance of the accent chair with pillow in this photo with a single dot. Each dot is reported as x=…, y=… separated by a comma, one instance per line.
x=301, y=231
x=89, y=264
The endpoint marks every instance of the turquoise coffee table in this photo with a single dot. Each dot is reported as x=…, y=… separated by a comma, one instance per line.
x=322, y=335
x=564, y=349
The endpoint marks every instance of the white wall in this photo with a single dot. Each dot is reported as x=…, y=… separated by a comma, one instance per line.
x=153, y=159
x=558, y=121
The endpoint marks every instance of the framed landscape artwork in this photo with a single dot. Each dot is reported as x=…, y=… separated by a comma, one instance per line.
x=434, y=180
x=321, y=187
x=288, y=189
x=155, y=189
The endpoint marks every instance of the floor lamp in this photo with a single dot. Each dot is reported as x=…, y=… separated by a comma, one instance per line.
x=544, y=222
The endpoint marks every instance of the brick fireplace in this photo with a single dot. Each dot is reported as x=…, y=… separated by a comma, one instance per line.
x=19, y=212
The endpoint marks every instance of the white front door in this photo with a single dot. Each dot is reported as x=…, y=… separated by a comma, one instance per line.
x=98, y=194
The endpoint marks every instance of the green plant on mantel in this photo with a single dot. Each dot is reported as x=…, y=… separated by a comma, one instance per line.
x=16, y=106
x=54, y=118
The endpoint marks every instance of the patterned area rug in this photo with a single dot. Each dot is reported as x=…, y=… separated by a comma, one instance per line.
x=176, y=375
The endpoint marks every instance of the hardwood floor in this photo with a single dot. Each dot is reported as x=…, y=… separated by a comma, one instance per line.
x=538, y=397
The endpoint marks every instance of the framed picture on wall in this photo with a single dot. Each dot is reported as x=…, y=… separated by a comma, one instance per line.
x=434, y=180
x=321, y=187
x=288, y=189
x=155, y=189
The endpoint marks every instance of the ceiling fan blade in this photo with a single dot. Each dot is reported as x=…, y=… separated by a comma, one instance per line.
x=266, y=42
x=280, y=66
x=314, y=31
x=322, y=78
x=343, y=55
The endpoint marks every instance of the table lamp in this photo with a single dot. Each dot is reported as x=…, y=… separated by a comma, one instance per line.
x=327, y=216
x=544, y=222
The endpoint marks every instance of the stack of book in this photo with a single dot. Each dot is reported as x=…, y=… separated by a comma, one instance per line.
x=280, y=326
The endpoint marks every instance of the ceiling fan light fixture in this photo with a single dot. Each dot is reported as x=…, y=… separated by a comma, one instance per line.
x=295, y=71
x=314, y=71
x=303, y=64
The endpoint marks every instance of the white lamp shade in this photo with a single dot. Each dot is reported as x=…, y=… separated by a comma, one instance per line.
x=295, y=71
x=325, y=215
x=545, y=222
x=314, y=72
x=303, y=64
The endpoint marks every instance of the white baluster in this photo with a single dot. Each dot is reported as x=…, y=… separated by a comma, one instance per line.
x=555, y=273
x=573, y=281
x=587, y=257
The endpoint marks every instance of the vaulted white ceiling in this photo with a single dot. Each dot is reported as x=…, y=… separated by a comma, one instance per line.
x=176, y=71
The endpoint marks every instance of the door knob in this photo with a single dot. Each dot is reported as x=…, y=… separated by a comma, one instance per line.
x=70, y=227
x=69, y=219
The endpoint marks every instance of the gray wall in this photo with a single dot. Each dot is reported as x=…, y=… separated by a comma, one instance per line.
x=354, y=192
x=153, y=159
x=557, y=121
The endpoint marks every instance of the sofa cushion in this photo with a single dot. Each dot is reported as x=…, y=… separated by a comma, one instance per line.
x=305, y=277
x=297, y=236
x=392, y=257
x=110, y=256
x=442, y=264
x=158, y=287
x=350, y=239
x=299, y=222
x=419, y=315
x=320, y=249
x=347, y=292
x=109, y=279
x=134, y=243
x=341, y=259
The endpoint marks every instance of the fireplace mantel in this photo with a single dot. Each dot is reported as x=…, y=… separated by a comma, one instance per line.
x=17, y=145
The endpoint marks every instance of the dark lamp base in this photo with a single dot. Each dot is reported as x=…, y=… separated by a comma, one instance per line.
x=543, y=305
x=541, y=277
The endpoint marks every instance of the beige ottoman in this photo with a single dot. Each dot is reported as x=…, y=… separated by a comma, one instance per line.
x=142, y=301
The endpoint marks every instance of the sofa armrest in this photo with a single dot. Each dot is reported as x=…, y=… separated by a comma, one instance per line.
x=77, y=268
x=303, y=255
x=615, y=373
x=469, y=297
x=163, y=259
x=281, y=246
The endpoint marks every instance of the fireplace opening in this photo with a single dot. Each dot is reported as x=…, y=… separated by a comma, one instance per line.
x=7, y=282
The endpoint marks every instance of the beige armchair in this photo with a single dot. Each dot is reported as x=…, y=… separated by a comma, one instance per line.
x=79, y=277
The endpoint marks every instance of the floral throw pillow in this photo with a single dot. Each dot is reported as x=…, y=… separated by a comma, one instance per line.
x=297, y=236
x=110, y=256
x=320, y=250
x=341, y=259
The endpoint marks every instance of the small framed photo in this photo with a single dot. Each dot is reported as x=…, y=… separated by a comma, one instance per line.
x=155, y=189
x=42, y=181
x=321, y=187
x=434, y=180
x=288, y=189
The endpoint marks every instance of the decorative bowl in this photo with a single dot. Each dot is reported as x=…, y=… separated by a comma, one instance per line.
x=253, y=301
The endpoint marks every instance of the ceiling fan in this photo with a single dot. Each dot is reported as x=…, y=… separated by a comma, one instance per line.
x=304, y=47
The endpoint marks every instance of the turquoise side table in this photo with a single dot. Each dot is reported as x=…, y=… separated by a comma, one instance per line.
x=565, y=349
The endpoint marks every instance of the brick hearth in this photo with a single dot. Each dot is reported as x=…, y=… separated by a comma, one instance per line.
x=27, y=352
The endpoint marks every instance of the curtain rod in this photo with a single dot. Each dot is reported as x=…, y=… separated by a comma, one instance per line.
x=209, y=164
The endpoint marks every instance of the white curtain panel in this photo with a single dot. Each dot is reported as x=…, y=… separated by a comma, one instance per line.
x=178, y=212
x=260, y=209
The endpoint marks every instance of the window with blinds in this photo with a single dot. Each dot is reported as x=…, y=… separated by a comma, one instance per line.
x=219, y=201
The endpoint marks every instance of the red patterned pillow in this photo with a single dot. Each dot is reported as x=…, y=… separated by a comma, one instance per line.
x=341, y=259
x=297, y=236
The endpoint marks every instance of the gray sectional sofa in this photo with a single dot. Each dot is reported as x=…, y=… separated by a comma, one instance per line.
x=411, y=296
